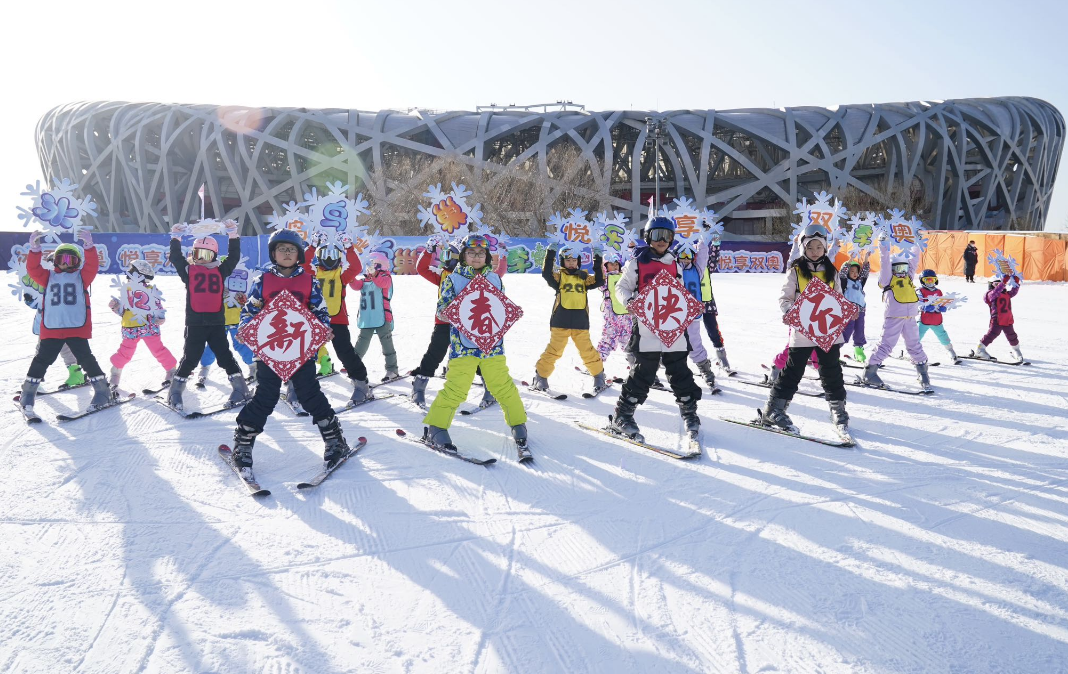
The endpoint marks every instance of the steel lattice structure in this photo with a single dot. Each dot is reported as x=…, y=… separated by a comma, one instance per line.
x=144, y=162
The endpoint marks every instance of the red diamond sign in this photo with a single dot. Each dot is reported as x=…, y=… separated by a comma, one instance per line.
x=284, y=334
x=821, y=313
x=666, y=308
x=482, y=313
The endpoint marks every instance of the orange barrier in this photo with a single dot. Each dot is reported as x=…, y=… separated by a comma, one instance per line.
x=1039, y=258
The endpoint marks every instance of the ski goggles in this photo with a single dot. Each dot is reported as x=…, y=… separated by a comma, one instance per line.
x=331, y=253
x=685, y=255
x=66, y=260
x=929, y=280
x=899, y=269
x=479, y=242
x=203, y=255
x=660, y=234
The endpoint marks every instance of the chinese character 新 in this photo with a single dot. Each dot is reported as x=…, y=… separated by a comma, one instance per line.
x=285, y=333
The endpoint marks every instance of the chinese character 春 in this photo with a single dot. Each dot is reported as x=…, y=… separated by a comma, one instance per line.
x=481, y=317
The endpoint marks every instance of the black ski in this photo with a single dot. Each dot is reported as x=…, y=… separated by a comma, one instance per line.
x=328, y=470
x=114, y=402
x=859, y=383
x=616, y=435
x=767, y=385
x=478, y=408
x=351, y=405
x=597, y=391
x=391, y=380
x=153, y=391
x=972, y=356
x=64, y=387
x=547, y=394
x=31, y=417
x=442, y=450
x=250, y=483
x=207, y=412
x=293, y=405
x=773, y=429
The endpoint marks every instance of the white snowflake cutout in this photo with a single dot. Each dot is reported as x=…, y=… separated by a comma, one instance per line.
x=449, y=212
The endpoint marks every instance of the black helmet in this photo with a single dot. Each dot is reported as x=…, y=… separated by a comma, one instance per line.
x=328, y=257
x=286, y=236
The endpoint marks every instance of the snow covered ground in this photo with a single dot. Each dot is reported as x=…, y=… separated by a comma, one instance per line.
x=938, y=545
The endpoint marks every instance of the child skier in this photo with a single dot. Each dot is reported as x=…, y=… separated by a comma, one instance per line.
x=205, y=320
x=710, y=317
x=617, y=320
x=333, y=278
x=286, y=272
x=376, y=316
x=448, y=258
x=902, y=306
x=852, y=279
x=931, y=316
x=465, y=358
x=135, y=329
x=570, y=318
x=999, y=298
x=66, y=316
x=648, y=351
x=33, y=297
x=813, y=263
x=694, y=275
x=237, y=285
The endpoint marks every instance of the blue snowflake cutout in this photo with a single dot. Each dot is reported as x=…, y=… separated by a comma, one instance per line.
x=59, y=210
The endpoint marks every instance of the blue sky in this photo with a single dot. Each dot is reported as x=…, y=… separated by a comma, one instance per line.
x=456, y=55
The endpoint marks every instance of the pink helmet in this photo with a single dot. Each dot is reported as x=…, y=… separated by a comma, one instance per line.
x=378, y=260
x=207, y=242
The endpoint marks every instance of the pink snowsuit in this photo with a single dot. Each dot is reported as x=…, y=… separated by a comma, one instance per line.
x=617, y=328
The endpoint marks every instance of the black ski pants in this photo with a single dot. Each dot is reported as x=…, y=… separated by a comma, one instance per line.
x=346, y=353
x=643, y=373
x=268, y=387
x=196, y=336
x=830, y=372
x=48, y=350
x=712, y=328
x=435, y=352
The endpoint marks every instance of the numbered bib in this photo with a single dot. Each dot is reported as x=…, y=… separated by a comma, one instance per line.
x=64, y=301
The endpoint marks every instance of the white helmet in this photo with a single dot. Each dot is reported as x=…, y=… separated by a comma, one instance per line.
x=143, y=268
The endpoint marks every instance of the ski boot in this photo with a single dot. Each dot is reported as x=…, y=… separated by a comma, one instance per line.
x=774, y=414
x=519, y=434
x=840, y=419
x=599, y=381
x=174, y=393
x=540, y=383
x=202, y=376
x=688, y=408
x=439, y=437
x=102, y=394
x=871, y=377
x=623, y=419
x=721, y=360
x=336, y=447
x=240, y=394
x=705, y=366
x=419, y=390
x=326, y=366
x=773, y=376
x=1016, y=352
x=244, y=438
x=361, y=391
x=252, y=374
x=26, y=398
x=858, y=354
x=75, y=376
x=390, y=375
x=981, y=352
x=113, y=380
x=952, y=354
x=168, y=376
x=923, y=377
x=487, y=397
x=291, y=396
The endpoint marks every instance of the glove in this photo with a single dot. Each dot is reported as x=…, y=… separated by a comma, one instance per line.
x=160, y=320
x=35, y=241
x=114, y=305
x=177, y=231
x=86, y=236
x=784, y=321
x=598, y=250
x=231, y=228
x=241, y=298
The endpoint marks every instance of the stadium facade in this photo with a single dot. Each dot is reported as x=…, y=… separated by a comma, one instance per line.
x=975, y=163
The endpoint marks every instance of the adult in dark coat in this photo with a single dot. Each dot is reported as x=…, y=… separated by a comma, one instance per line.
x=971, y=258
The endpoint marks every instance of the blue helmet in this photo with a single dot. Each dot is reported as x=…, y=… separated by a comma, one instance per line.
x=659, y=223
x=286, y=236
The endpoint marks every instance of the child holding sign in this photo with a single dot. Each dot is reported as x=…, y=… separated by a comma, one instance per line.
x=812, y=263
x=205, y=315
x=931, y=315
x=286, y=272
x=137, y=328
x=570, y=318
x=999, y=298
x=465, y=357
x=617, y=320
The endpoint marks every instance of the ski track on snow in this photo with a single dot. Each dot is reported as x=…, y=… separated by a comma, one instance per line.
x=934, y=546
